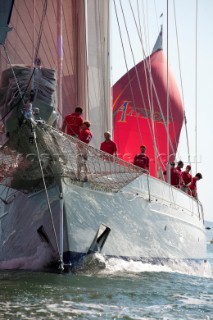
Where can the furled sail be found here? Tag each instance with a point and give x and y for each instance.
(140, 112)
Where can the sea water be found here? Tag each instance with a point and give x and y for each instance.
(121, 290)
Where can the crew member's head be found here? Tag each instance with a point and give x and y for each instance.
(198, 176)
(79, 110)
(107, 135)
(180, 164)
(188, 168)
(86, 124)
(143, 149)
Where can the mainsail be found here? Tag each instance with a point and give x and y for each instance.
(140, 111)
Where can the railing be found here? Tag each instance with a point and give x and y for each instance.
(63, 156)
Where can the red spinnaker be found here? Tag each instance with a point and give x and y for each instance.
(140, 112)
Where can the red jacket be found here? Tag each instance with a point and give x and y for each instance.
(142, 161)
(73, 123)
(85, 135)
(186, 177)
(109, 147)
(174, 177)
(193, 187)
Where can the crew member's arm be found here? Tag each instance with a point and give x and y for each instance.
(147, 164)
(115, 151)
(64, 126)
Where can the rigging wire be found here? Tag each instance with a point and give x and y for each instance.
(168, 172)
(69, 52)
(17, 84)
(196, 24)
(8, 58)
(59, 57)
(130, 81)
(152, 85)
(181, 81)
(46, 192)
(101, 85)
(152, 82)
(167, 82)
(136, 71)
(146, 23)
(39, 33)
(67, 85)
(21, 98)
(156, 16)
(139, 20)
(14, 75)
(147, 66)
(41, 29)
(155, 91)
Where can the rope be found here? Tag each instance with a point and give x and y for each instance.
(8, 58)
(181, 83)
(47, 196)
(17, 84)
(41, 30)
(133, 97)
(22, 97)
(196, 23)
(152, 131)
(136, 71)
(147, 62)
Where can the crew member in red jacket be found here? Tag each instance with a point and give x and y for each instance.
(193, 185)
(108, 145)
(141, 159)
(85, 136)
(179, 171)
(73, 122)
(186, 178)
(174, 175)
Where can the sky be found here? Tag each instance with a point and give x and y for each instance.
(195, 66)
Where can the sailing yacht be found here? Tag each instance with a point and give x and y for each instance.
(49, 217)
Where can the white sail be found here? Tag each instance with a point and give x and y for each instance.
(99, 110)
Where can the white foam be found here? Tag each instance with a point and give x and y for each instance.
(118, 266)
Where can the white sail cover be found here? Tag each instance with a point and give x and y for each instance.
(99, 110)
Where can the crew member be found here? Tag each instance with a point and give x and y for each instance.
(193, 184)
(141, 159)
(186, 178)
(108, 145)
(85, 133)
(174, 175)
(73, 122)
(85, 136)
(179, 171)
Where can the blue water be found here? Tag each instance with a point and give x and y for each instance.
(121, 291)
